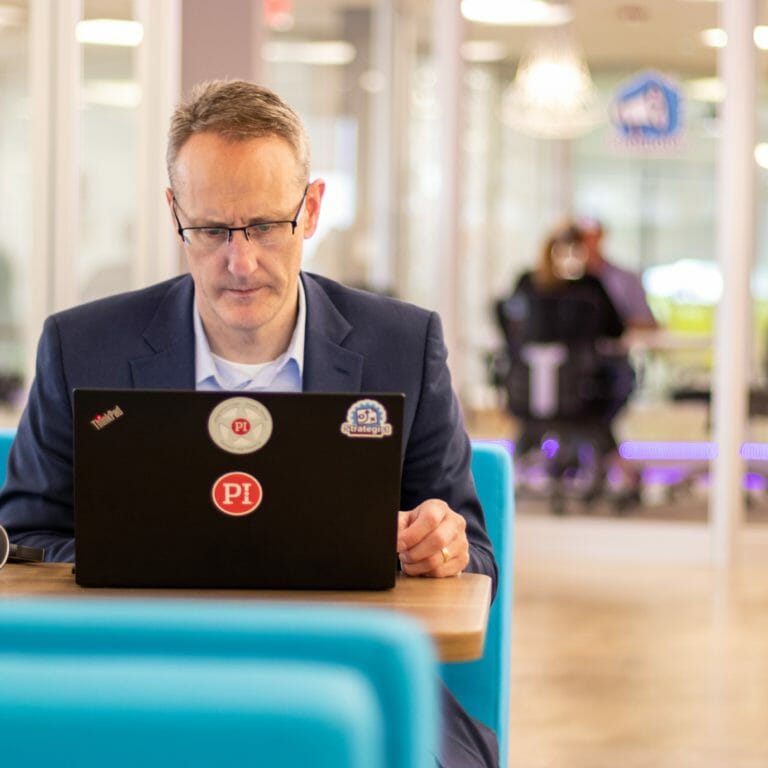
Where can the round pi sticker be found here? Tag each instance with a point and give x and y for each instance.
(240, 425)
(237, 493)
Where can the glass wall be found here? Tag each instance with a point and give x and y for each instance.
(15, 197)
(319, 61)
(656, 200)
(110, 97)
(81, 91)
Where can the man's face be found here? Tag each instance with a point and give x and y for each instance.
(245, 290)
(592, 239)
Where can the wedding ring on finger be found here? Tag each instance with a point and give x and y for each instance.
(446, 554)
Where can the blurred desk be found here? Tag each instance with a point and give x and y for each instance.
(668, 360)
(662, 341)
(453, 611)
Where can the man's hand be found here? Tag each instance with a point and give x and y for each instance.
(432, 540)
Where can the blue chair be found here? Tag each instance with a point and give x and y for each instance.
(150, 711)
(388, 649)
(7, 434)
(482, 686)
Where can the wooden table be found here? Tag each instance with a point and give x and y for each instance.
(454, 611)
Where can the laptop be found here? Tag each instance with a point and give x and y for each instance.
(236, 490)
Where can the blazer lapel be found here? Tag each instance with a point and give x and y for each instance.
(328, 366)
(171, 336)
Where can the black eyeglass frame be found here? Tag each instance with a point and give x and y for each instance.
(294, 222)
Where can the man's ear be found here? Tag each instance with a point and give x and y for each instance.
(312, 207)
(169, 197)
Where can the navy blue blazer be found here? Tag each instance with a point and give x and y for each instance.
(355, 341)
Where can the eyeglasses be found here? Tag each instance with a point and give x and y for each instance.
(266, 234)
(17, 552)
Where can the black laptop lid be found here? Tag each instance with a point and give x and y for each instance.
(245, 490)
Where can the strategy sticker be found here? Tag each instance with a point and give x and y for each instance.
(366, 418)
(237, 494)
(240, 425)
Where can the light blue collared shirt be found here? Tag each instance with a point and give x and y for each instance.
(284, 374)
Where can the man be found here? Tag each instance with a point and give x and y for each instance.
(247, 318)
(623, 286)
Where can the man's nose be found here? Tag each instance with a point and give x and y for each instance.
(241, 255)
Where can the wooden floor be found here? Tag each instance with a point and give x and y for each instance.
(638, 666)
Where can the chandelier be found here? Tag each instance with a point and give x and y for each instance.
(552, 95)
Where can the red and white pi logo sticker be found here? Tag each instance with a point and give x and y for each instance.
(241, 426)
(237, 493)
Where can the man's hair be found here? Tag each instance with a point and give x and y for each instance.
(590, 225)
(236, 110)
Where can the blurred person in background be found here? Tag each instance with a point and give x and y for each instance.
(561, 273)
(623, 286)
(560, 301)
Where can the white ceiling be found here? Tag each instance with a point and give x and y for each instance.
(614, 34)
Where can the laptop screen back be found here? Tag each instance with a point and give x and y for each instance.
(252, 490)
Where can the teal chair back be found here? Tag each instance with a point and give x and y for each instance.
(7, 435)
(140, 711)
(482, 686)
(388, 649)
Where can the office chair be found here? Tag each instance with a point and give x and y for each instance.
(7, 436)
(387, 649)
(557, 388)
(482, 686)
(126, 711)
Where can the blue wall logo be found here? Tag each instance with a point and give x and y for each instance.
(648, 112)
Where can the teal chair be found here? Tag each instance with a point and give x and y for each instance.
(387, 649)
(482, 686)
(7, 435)
(157, 711)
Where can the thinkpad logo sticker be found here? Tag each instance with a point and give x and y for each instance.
(101, 420)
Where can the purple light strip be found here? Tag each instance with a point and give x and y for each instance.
(754, 451)
(685, 451)
(668, 450)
